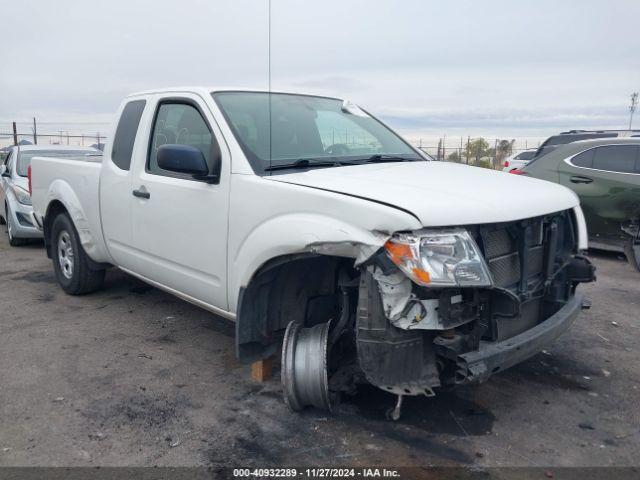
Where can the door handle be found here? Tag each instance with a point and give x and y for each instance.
(141, 193)
(579, 179)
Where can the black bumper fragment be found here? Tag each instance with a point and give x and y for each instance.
(477, 366)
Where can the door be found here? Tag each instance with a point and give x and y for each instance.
(115, 183)
(180, 223)
(607, 180)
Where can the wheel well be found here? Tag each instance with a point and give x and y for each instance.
(53, 209)
(300, 287)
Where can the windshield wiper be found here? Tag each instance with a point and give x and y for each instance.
(302, 163)
(381, 157)
(312, 163)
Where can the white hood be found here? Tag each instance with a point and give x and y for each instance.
(442, 194)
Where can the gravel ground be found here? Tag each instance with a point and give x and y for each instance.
(133, 376)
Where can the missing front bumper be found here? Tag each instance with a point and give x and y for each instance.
(479, 365)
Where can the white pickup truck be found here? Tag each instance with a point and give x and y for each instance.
(320, 231)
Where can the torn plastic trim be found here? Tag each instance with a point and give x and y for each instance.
(404, 309)
(359, 250)
(395, 360)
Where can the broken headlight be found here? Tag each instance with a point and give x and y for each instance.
(440, 258)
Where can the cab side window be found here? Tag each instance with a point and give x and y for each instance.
(616, 158)
(180, 124)
(126, 131)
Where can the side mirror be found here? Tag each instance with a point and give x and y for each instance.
(3, 171)
(182, 159)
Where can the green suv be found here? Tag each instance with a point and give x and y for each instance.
(605, 174)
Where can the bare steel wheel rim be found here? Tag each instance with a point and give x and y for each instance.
(304, 366)
(65, 254)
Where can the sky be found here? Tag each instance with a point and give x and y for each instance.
(502, 69)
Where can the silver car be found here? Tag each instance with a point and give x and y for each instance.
(15, 201)
(518, 160)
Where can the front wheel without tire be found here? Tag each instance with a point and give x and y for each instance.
(70, 262)
(304, 375)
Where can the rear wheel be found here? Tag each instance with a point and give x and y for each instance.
(13, 241)
(70, 262)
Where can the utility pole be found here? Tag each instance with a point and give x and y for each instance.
(444, 146)
(15, 134)
(35, 132)
(468, 152)
(632, 107)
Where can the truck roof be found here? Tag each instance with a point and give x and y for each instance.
(202, 90)
(27, 148)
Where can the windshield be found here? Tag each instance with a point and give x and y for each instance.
(24, 159)
(317, 129)
(528, 155)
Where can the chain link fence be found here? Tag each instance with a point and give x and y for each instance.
(478, 151)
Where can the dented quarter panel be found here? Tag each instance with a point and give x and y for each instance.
(81, 200)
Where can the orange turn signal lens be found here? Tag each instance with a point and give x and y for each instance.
(402, 254)
(399, 252)
(422, 275)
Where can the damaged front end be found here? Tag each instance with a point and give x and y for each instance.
(453, 306)
(439, 308)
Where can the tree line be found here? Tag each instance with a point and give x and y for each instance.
(478, 151)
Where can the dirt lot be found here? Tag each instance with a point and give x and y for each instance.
(134, 376)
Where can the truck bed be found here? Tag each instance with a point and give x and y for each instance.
(74, 181)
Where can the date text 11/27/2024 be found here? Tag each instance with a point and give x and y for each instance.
(316, 472)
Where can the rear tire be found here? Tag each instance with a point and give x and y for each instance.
(70, 262)
(13, 241)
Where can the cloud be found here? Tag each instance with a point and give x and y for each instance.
(333, 83)
(540, 65)
(586, 117)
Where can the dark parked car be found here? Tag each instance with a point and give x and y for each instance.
(605, 174)
(563, 138)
